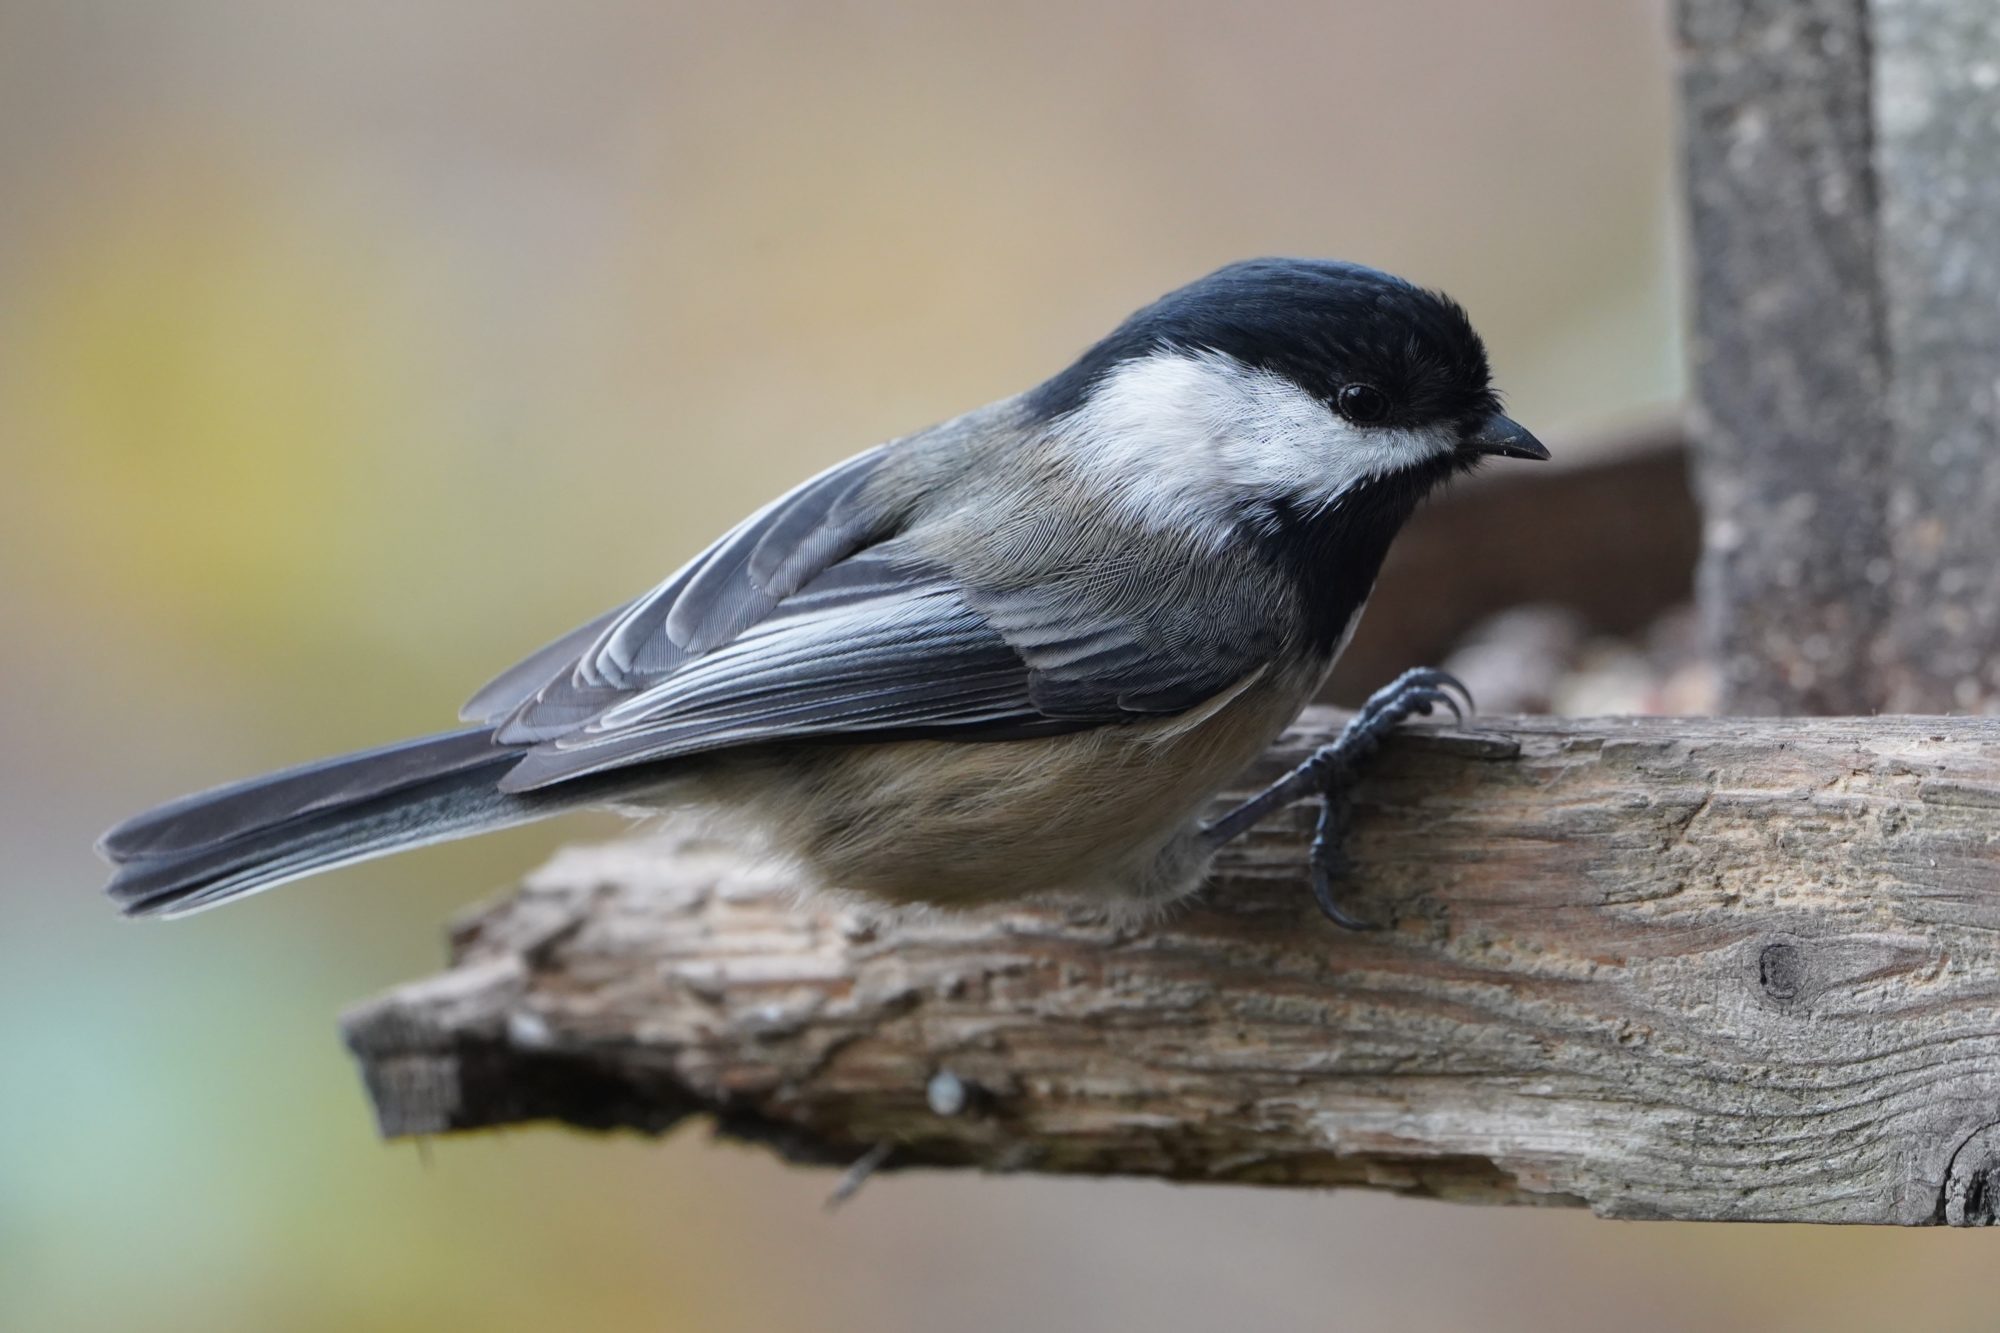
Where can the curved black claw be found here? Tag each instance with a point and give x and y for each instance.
(1421, 699)
(1327, 862)
(1329, 905)
(1420, 678)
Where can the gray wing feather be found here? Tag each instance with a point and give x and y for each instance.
(1099, 667)
(518, 683)
(885, 642)
(737, 581)
(808, 620)
(880, 643)
(728, 587)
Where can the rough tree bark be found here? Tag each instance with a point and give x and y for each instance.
(1661, 968)
(1843, 176)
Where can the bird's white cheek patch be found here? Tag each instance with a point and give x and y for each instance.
(1355, 454)
(1176, 434)
(1147, 439)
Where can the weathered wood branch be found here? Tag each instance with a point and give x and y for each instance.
(1715, 968)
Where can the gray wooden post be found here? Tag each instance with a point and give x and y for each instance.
(1843, 166)
(1937, 119)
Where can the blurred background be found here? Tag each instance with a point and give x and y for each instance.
(349, 351)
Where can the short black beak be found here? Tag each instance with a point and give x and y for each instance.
(1503, 437)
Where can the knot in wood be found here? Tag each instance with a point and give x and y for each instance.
(1971, 1193)
(1781, 970)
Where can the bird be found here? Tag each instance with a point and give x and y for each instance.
(1017, 653)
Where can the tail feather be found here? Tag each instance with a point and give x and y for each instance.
(204, 850)
(210, 817)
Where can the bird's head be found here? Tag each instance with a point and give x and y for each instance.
(1285, 381)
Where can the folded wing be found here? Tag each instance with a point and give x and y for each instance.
(727, 587)
(815, 619)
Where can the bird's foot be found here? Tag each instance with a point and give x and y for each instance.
(1330, 770)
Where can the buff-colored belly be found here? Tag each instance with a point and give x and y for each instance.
(1105, 812)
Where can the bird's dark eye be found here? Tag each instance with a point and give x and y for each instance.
(1363, 404)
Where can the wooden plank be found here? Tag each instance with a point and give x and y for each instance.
(1692, 968)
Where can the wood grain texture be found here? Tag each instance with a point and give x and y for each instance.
(1708, 968)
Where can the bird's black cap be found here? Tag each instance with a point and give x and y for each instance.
(1320, 323)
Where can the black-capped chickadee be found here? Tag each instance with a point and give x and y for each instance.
(1016, 652)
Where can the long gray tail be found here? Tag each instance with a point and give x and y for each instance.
(207, 849)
